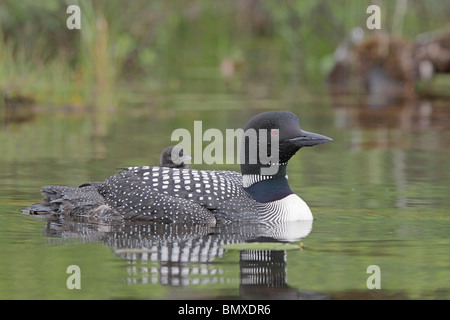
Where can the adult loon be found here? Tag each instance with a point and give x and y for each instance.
(199, 196)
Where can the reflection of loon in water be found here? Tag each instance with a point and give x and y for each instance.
(183, 255)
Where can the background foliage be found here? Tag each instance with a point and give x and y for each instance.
(151, 44)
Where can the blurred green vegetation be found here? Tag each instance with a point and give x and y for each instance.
(151, 44)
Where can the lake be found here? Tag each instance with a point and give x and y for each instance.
(379, 194)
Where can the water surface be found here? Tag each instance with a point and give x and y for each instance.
(378, 192)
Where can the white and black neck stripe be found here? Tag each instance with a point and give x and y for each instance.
(250, 179)
(267, 188)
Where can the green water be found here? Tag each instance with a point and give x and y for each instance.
(379, 194)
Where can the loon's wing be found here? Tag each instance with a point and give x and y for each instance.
(143, 204)
(168, 192)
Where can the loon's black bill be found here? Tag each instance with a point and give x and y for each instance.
(309, 139)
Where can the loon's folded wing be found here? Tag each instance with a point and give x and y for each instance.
(156, 207)
(164, 193)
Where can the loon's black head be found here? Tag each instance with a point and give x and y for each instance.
(270, 139)
(174, 157)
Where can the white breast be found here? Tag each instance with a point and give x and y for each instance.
(290, 208)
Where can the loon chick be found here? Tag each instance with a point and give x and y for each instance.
(174, 157)
(260, 193)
